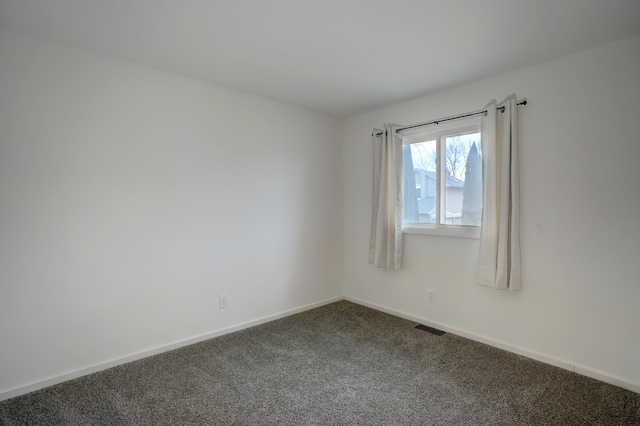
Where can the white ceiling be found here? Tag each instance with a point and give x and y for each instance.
(339, 57)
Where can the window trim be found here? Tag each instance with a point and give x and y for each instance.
(458, 231)
(466, 125)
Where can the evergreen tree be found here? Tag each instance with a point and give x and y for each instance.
(409, 194)
(472, 189)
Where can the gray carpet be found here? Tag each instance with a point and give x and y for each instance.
(341, 364)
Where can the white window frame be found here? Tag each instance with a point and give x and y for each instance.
(438, 133)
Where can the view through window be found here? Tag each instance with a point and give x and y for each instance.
(442, 179)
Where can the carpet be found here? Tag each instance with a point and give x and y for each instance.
(340, 364)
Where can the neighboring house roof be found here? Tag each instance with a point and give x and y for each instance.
(451, 181)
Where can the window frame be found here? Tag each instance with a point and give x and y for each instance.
(439, 133)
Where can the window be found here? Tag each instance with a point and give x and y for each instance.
(442, 179)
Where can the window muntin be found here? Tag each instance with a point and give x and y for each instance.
(442, 179)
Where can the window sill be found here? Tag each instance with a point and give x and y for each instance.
(448, 231)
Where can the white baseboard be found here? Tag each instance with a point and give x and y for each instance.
(582, 370)
(154, 351)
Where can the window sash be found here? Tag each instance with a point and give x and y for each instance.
(440, 133)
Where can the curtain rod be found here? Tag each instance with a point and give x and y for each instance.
(455, 117)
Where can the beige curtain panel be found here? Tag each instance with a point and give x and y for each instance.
(385, 247)
(499, 255)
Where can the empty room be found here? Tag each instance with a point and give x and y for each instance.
(319, 212)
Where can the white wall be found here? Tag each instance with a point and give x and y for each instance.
(580, 150)
(131, 198)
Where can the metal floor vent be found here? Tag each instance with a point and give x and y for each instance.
(430, 330)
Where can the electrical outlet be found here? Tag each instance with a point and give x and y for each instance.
(222, 301)
(431, 295)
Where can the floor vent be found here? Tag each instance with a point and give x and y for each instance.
(431, 330)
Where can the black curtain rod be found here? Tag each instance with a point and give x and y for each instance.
(455, 117)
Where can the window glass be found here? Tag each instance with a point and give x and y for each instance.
(419, 180)
(442, 178)
(462, 192)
